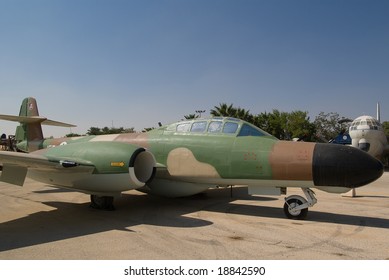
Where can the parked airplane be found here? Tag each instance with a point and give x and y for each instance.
(186, 158)
(368, 135)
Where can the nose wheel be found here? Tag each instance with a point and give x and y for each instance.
(296, 207)
(292, 208)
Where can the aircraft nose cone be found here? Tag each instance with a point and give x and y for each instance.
(338, 165)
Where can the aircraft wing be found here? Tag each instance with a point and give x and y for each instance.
(15, 165)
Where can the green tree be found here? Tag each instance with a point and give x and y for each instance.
(107, 130)
(329, 125)
(263, 121)
(224, 110)
(72, 135)
(94, 131)
(129, 130)
(299, 126)
(273, 123)
(243, 114)
(286, 126)
(277, 122)
(191, 116)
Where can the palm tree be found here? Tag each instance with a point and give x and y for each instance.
(224, 110)
(243, 114)
(191, 116)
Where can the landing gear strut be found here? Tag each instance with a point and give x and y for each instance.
(102, 202)
(296, 207)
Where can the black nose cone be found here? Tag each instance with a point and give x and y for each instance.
(344, 166)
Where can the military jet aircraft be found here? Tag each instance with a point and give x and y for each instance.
(186, 158)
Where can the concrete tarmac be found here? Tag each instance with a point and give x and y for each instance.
(41, 222)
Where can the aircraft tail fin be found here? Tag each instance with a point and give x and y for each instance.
(30, 124)
(30, 127)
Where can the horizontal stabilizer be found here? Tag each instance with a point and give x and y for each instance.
(35, 119)
(55, 123)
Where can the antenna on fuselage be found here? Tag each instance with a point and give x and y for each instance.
(378, 112)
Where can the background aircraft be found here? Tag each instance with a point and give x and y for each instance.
(186, 158)
(368, 135)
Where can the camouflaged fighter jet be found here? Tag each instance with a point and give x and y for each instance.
(183, 159)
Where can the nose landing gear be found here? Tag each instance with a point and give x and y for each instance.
(296, 207)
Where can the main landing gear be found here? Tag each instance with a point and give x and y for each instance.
(296, 207)
(102, 202)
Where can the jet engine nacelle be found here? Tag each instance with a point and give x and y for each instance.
(135, 164)
(171, 188)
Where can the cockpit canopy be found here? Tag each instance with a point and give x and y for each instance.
(217, 126)
(365, 122)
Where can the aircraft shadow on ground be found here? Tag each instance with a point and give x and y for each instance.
(69, 220)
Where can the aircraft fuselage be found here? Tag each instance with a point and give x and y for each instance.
(230, 156)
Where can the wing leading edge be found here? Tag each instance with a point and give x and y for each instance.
(16, 165)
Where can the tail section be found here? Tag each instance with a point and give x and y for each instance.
(30, 128)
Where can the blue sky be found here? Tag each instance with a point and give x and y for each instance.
(135, 63)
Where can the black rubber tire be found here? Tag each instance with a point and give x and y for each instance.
(298, 215)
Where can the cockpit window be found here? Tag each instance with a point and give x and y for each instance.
(230, 127)
(198, 126)
(215, 127)
(370, 122)
(248, 130)
(183, 127)
(233, 119)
